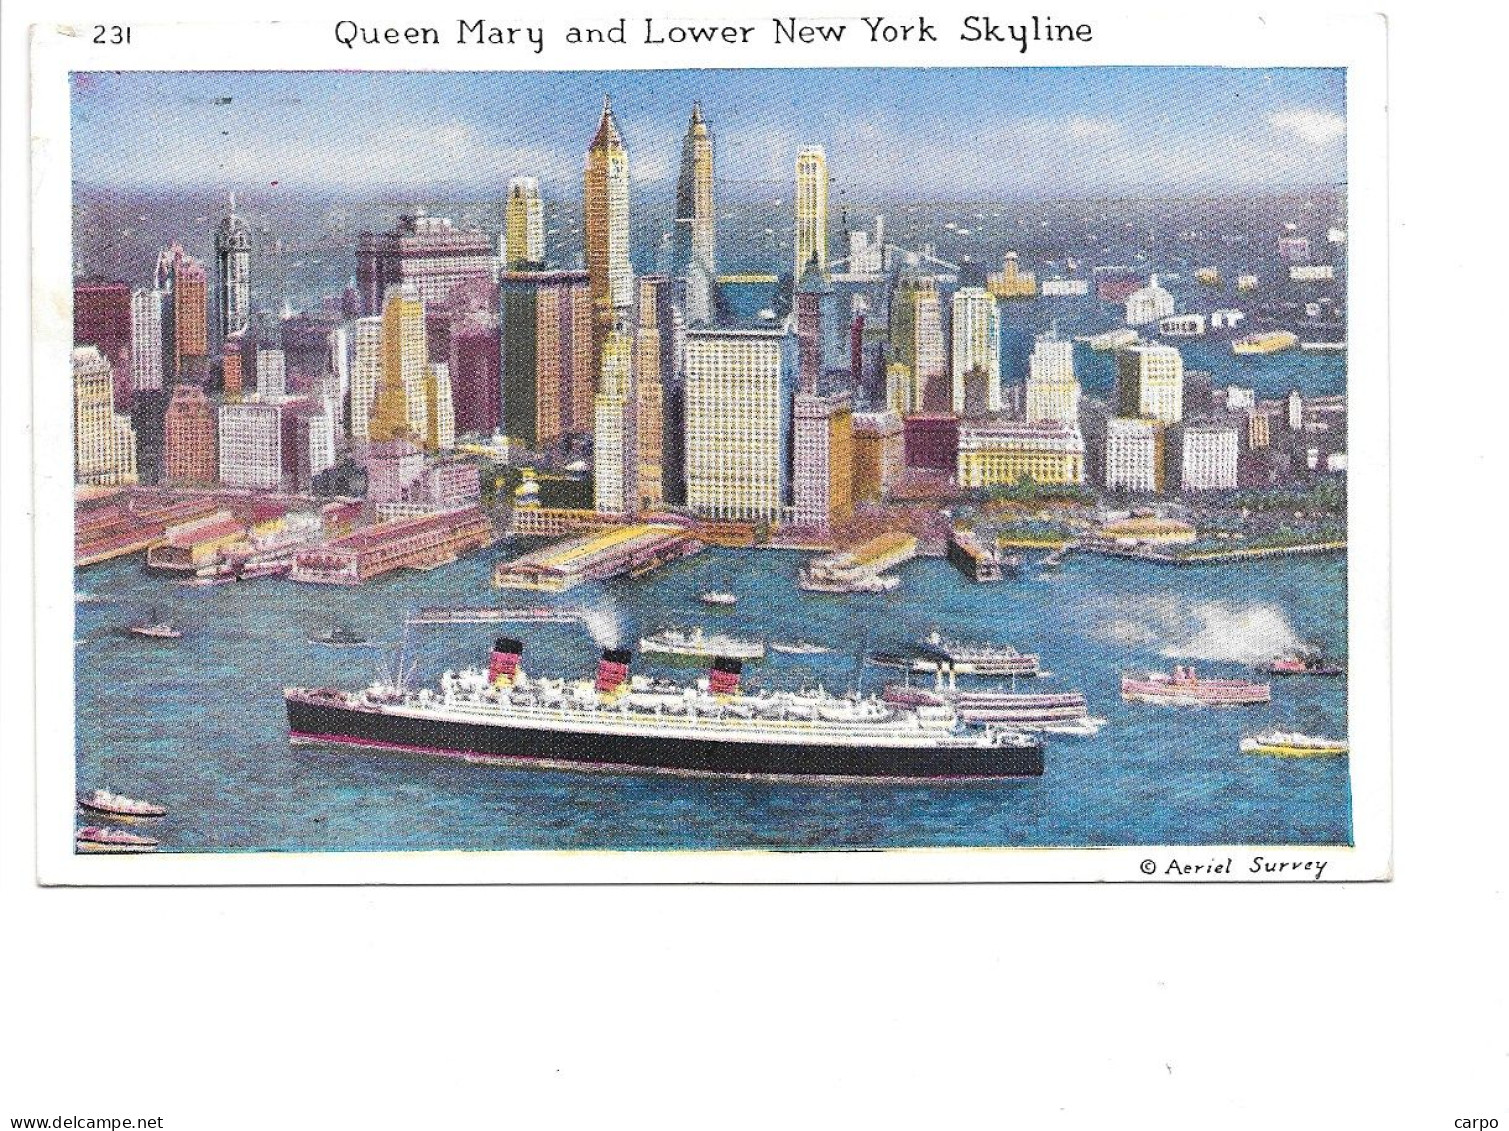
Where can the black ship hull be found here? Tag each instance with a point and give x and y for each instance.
(317, 719)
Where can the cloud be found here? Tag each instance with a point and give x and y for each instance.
(1092, 129)
(1318, 127)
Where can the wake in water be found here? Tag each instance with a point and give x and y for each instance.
(601, 619)
(1225, 631)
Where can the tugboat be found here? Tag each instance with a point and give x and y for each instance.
(1304, 663)
(103, 838)
(1283, 744)
(618, 722)
(154, 629)
(340, 637)
(116, 805)
(1185, 688)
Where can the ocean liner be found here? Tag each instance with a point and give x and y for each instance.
(625, 723)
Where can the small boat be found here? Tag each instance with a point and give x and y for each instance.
(1053, 560)
(1184, 687)
(799, 648)
(154, 629)
(1303, 663)
(1087, 727)
(118, 805)
(340, 637)
(719, 597)
(1283, 744)
(103, 838)
(253, 570)
(700, 645)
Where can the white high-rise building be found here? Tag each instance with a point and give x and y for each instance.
(146, 339)
(1052, 391)
(272, 375)
(1134, 454)
(811, 209)
(1209, 457)
(977, 345)
(1150, 382)
(1148, 304)
(366, 372)
(104, 441)
(738, 422)
(251, 445)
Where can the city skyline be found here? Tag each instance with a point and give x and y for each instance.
(1003, 134)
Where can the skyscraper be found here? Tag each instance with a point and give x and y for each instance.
(738, 423)
(428, 252)
(104, 441)
(400, 408)
(439, 408)
(605, 231)
(523, 226)
(811, 209)
(272, 376)
(697, 222)
(251, 445)
(188, 453)
(615, 470)
(146, 340)
(822, 467)
(917, 337)
(1150, 382)
(977, 345)
(366, 375)
(185, 319)
(232, 274)
(649, 416)
(548, 374)
(1052, 391)
(102, 317)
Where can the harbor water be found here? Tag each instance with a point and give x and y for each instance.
(197, 723)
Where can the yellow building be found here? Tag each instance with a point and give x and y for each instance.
(1004, 451)
(614, 466)
(523, 225)
(879, 454)
(916, 335)
(605, 231)
(400, 408)
(649, 426)
(1009, 282)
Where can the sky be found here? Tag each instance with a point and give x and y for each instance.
(921, 134)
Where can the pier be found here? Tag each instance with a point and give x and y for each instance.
(632, 549)
(412, 543)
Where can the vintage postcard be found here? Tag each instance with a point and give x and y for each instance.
(487, 457)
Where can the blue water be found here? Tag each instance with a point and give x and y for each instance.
(198, 725)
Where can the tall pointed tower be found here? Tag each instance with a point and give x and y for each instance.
(232, 274)
(696, 221)
(605, 207)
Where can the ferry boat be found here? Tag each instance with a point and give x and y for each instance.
(975, 659)
(1292, 745)
(1186, 688)
(619, 722)
(103, 838)
(526, 614)
(116, 805)
(799, 648)
(250, 571)
(1270, 341)
(1303, 663)
(154, 629)
(340, 637)
(205, 580)
(696, 644)
(719, 597)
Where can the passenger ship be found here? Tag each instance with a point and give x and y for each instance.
(624, 723)
(1186, 688)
